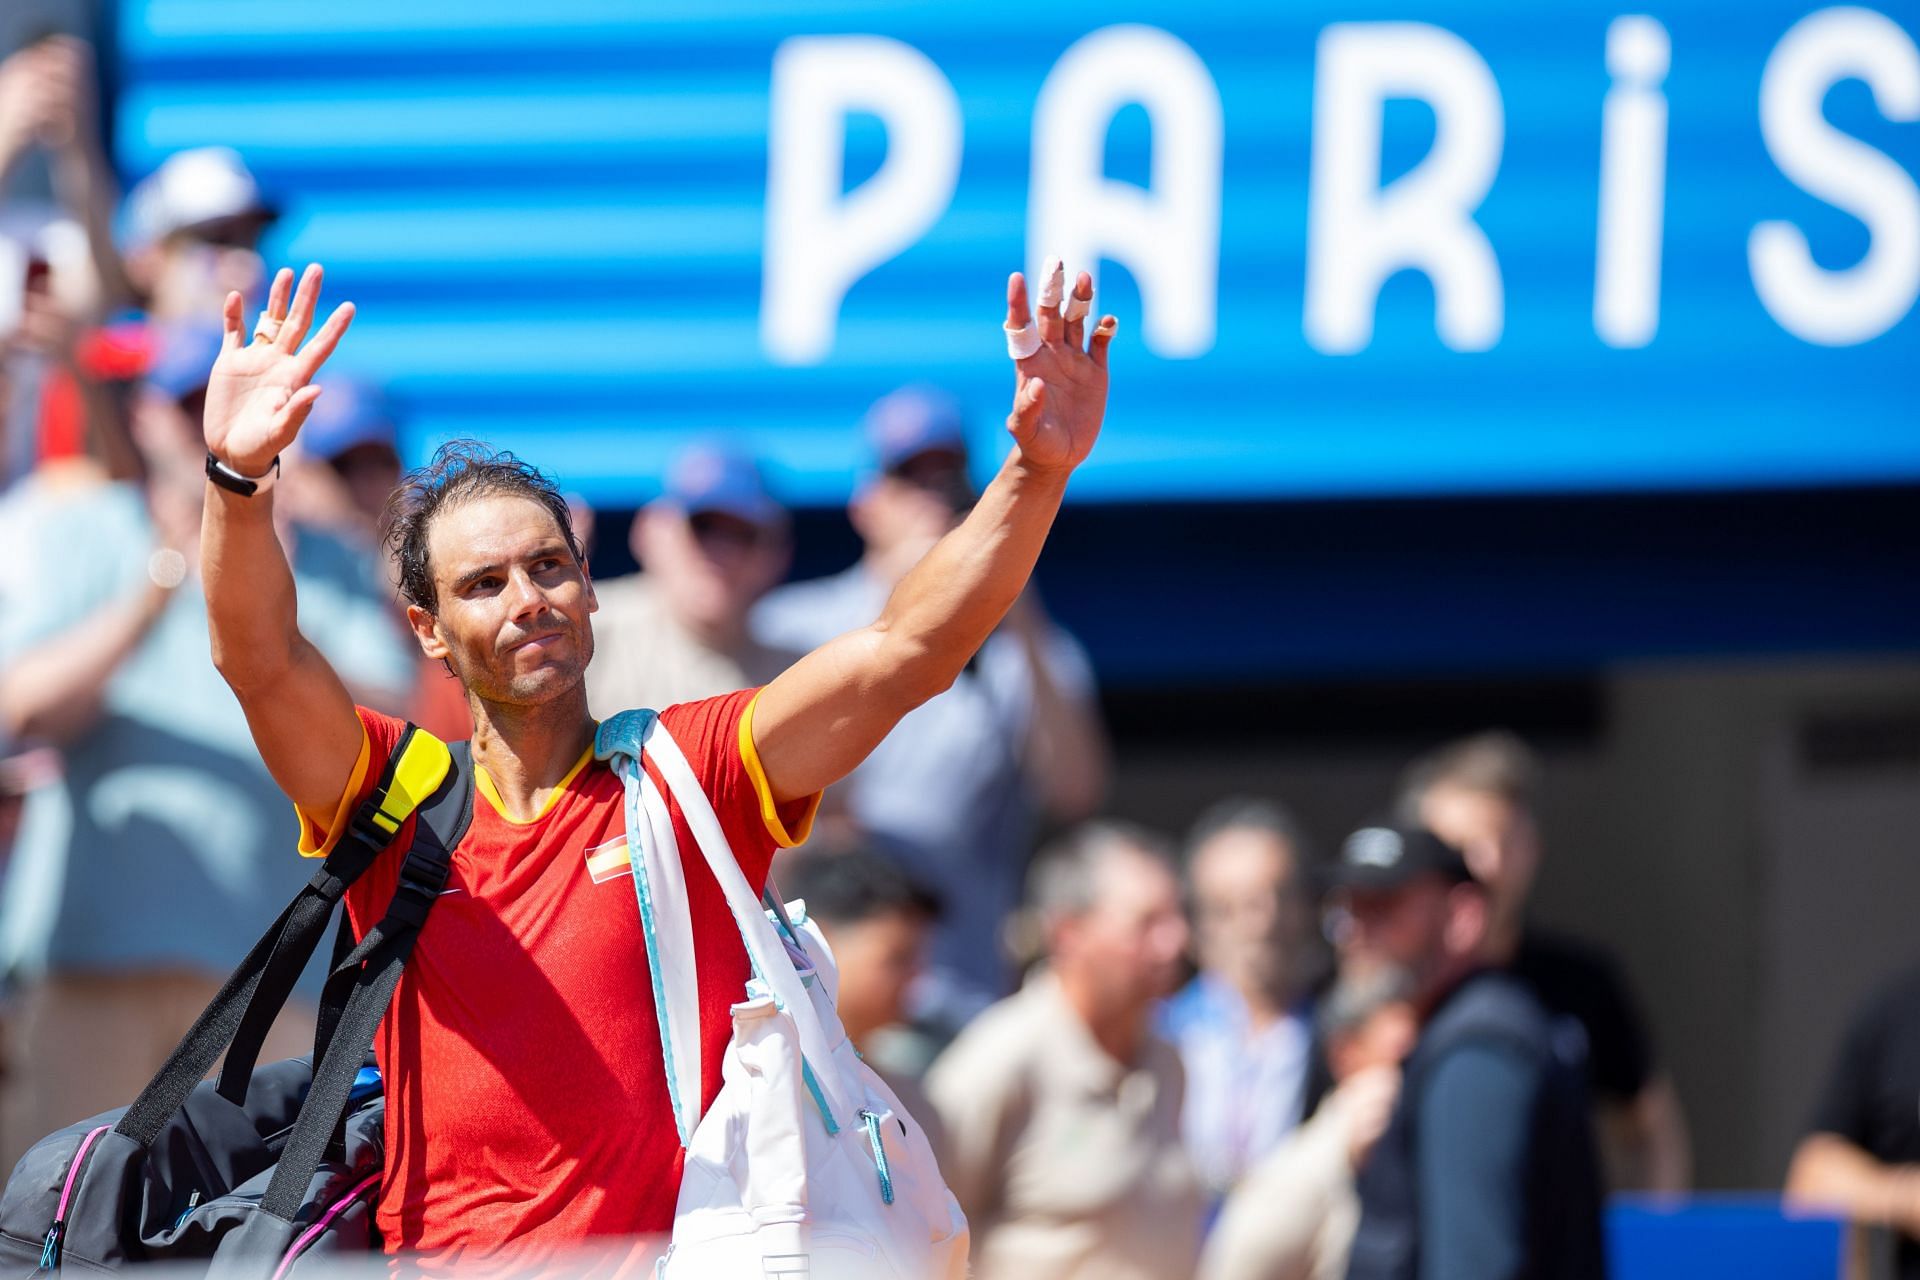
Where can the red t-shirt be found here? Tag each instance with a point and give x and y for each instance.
(526, 1095)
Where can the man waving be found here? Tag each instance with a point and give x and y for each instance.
(527, 1099)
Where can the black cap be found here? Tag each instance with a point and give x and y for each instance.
(1388, 855)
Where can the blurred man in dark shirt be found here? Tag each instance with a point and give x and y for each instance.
(1487, 1169)
(1478, 795)
(1862, 1156)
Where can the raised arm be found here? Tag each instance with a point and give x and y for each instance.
(824, 715)
(300, 713)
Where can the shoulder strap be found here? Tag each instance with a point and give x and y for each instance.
(414, 769)
(364, 983)
(772, 964)
(252, 996)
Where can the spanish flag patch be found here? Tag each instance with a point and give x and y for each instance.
(609, 861)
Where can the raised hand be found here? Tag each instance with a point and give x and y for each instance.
(259, 393)
(1060, 387)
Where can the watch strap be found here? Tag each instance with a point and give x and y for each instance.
(232, 481)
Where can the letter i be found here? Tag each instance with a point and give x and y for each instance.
(1633, 179)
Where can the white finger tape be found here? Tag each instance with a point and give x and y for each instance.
(266, 327)
(1077, 308)
(1022, 343)
(1053, 282)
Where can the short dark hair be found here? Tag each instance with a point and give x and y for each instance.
(461, 470)
(852, 886)
(1495, 763)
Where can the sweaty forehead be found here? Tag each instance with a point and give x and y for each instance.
(493, 529)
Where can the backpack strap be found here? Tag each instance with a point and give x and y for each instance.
(414, 769)
(247, 999)
(363, 984)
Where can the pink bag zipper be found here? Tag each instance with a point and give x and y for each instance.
(50, 1251)
(307, 1237)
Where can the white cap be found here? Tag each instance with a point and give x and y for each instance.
(207, 184)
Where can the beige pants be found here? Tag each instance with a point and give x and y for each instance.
(82, 1043)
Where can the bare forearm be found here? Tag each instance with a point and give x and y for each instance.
(86, 186)
(54, 692)
(948, 604)
(252, 612)
(821, 718)
(1831, 1173)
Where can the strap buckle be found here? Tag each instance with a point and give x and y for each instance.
(371, 823)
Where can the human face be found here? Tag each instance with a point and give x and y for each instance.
(1404, 925)
(511, 602)
(904, 512)
(878, 958)
(370, 473)
(710, 566)
(1128, 946)
(188, 275)
(1250, 914)
(1497, 837)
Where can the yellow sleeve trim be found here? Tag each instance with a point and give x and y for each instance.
(769, 811)
(485, 784)
(317, 841)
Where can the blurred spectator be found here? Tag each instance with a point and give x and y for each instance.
(1487, 1169)
(1478, 794)
(1293, 1216)
(1862, 1155)
(59, 269)
(146, 869)
(192, 229)
(1062, 1106)
(349, 463)
(876, 919)
(708, 547)
(1243, 1024)
(955, 786)
(48, 101)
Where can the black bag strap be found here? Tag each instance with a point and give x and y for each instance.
(417, 764)
(330, 1010)
(283, 951)
(369, 975)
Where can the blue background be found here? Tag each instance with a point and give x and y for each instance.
(551, 215)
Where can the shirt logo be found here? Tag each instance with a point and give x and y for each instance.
(609, 861)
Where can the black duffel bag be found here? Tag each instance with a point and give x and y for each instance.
(254, 1172)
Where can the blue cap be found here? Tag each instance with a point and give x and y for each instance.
(183, 357)
(349, 413)
(720, 478)
(912, 421)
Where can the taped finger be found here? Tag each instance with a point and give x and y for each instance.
(1022, 342)
(1053, 284)
(1077, 309)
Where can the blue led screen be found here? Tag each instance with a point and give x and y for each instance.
(1420, 248)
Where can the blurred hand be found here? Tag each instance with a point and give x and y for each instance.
(23, 100)
(70, 101)
(45, 328)
(1367, 1098)
(1060, 391)
(260, 391)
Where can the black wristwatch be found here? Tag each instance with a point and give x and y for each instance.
(233, 482)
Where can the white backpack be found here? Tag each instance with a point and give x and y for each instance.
(806, 1164)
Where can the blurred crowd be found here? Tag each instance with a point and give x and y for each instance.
(1228, 1054)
